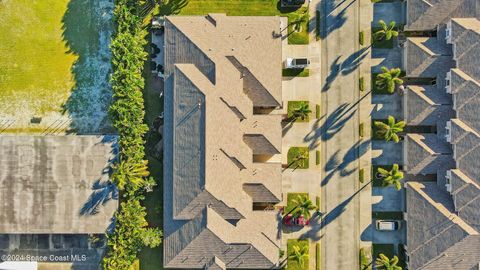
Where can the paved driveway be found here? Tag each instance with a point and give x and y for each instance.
(385, 105)
(387, 199)
(385, 153)
(388, 12)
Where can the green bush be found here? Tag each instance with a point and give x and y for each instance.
(317, 157)
(361, 130)
(135, 265)
(317, 18)
(318, 254)
(127, 114)
(317, 202)
(295, 72)
(365, 259)
(361, 84)
(317, 111)
(361, 38)
(361, 175)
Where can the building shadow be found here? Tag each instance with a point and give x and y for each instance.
(87, 29)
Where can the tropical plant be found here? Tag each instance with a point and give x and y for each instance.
(299, 254)
(303, 206)
(389, 79)
(387, 31)
(390, 130)
(130, 231)
(302, 111)
(298, 22)
(391, 177)
(383, 262)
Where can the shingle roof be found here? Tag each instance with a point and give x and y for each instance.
(428, 14)
(56, 184)
(427, 57)
(433, 228)
(260, 193)
(217, 69)
(427, 106)
(427, 154)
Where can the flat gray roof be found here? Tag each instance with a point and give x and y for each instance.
(56, 184)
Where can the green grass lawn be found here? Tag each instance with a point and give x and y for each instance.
(54, 63)
(291, 197)
(295, 72)
(292, 158)
(376, 182)
(365, 259)
(386, 249)
(247, 8)
(294, 265)
(388, 215)
(292, 106)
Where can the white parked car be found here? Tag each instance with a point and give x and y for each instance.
(297, 63)
(388, 225)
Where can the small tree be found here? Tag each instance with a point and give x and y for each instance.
(391, 177)
(390, 130)
(389, 79)
(131, 173)
(303, 206)
(299, 254)
(383, 262)
(387, 31)
(302, 111)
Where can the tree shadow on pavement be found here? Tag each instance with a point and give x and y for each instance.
(335, 165)
(331, 22)
(334, 122)
(350, 64)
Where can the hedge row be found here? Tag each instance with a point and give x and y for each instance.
(127, 113)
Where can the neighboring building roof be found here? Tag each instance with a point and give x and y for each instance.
(428, 14)
(217, 69)
(427, 154)
(56, 184)
(427, 106)
(427, 57)
(434, 230)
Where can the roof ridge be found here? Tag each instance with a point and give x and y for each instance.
(467, 203)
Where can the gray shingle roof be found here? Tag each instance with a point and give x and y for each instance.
(427, 154)
(260, 193)
(428, 14)
(427, 57)
(56, 184)
(427, 106)
(433, 227)
(213, 81)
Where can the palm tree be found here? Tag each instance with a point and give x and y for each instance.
(391, 177)
(383, 262)
(298, 22)
(387, 31)
(389, 131)
(133, 174)
(303, 206)
(389, 79)
(302, 112)
(299, 254)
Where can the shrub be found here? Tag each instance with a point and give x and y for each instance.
(127, 113)
(361, 130)
(361, 175)
(318, 253)
(317, 111)
(317, 157)
(361, 38)
(317, 18)
(361, 84)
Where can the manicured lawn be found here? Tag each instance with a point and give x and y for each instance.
(388, 215)
(295, 72)
(376, 182)
(292, 158)
(249, 8)
(365, 259)
(55, 63)
(294, 265)
(292, 106)
(291, 197)
(386, 249)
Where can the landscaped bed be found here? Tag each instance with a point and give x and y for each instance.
(291, 198)
(298, 157)
(292, 106)
(54, 66)
(291, 263)
(376, 181)
(386, 249)
(365, 258)
(295, 72)
(388, 215)
(249, 8)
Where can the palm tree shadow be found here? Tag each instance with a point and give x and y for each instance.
(172, 7)
(332, 22)
(103, 192)
(336, 121)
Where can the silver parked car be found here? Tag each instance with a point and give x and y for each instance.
(388, 225)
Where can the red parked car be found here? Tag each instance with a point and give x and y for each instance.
(290, 220)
